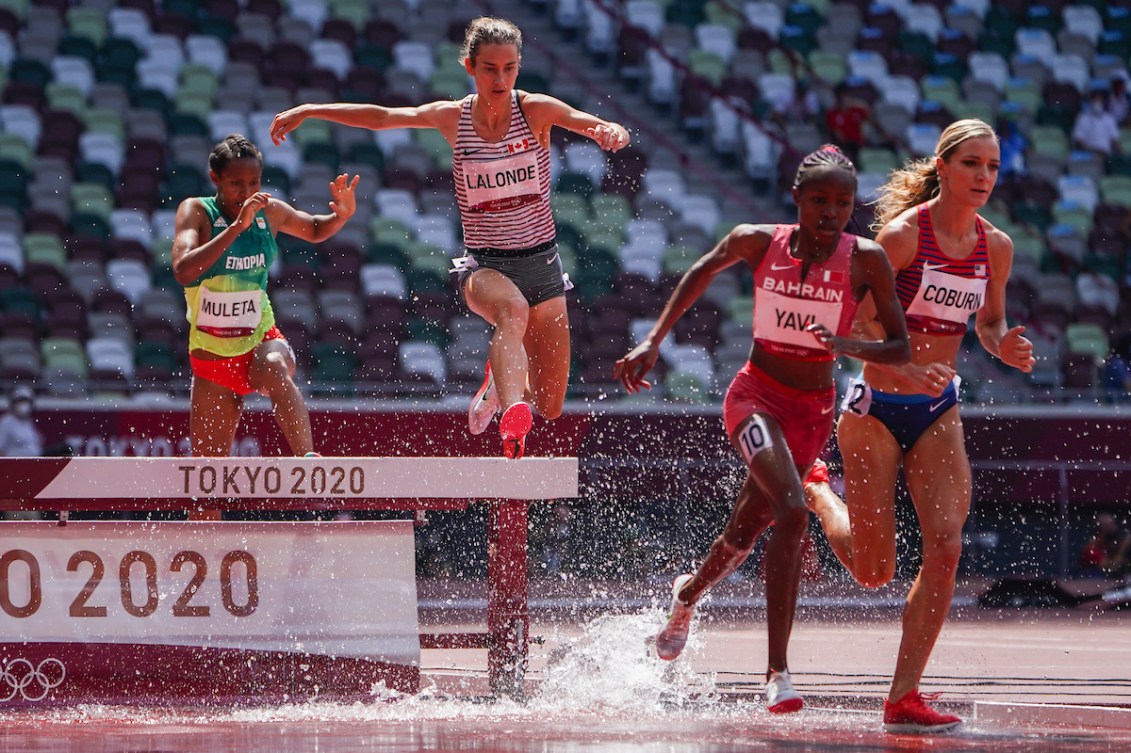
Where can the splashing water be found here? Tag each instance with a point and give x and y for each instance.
(610, 667)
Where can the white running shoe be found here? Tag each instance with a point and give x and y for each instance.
(672, 639)
(781, 698)
(484, 406)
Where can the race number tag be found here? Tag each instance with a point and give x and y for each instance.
(857, 398)
(753, 438)
(501, 185)
(229, 314)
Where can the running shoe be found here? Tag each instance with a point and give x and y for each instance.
(312, 455)
(818, 473)
(514, 425)
(911, 715)
(672, 639)
(781, 698)
(484, 406)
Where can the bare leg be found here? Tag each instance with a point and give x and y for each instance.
(938, 476)
(214, 415)
(272, 372)
(548, 350)
(495, 298)
(772, 492)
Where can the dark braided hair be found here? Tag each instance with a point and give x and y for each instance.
(234, 146)
(827, 157)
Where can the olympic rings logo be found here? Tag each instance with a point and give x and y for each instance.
(20, 678)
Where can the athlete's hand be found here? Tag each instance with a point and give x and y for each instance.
(825, 338)
(630, 369)
(250, 207)
(284, 123)
(609, 136)
(1017, 350)
(932, 378)
(342, 200)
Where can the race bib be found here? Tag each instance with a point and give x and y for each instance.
(947, 297)
(502, 185)
(229, 314)
(783, 319)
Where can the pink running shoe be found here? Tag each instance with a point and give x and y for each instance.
(514, 425)
(911, 715)
(484, 406)
(672, 639)
(818, 473)
(781, 698)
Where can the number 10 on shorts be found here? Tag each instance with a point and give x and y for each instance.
(754, 437)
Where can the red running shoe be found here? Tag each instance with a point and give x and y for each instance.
(818, 473)
(514, 425)
(911, 715)
(484, 406)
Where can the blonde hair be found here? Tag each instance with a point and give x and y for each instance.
(488, 30)
(918, 181)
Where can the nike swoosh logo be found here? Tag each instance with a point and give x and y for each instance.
(552, 259)
(469, 152)
(928, 267)
(935, 406)
(780, 267)
(826, 411)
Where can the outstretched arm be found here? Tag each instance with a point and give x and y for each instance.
(544, 112)
(745, 242)
(443, 115)
(317, 228)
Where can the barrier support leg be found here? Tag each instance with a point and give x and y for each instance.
(508, 623)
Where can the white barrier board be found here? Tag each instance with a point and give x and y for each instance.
(338, 589)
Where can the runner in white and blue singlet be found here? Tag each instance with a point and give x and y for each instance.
(511, 274)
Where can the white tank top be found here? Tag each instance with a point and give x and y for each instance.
(502, 187)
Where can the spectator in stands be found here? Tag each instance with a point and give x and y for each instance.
(1119, 100)
(1117, 370)
(222, 250)
(1108, 552)
(1095, 128)
(845, 122)
(511, 274)
(19, 436)
(809, 279)
(1013, 147)
(949, 264)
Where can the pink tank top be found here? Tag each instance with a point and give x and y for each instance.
(784, 305)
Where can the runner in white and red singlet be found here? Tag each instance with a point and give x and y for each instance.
(511, 274)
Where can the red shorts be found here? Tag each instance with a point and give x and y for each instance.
(233, 372)
(806, 416)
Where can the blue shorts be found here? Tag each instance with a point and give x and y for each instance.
(905, 416)
(537, 273)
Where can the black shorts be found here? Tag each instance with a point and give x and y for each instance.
(537, 275)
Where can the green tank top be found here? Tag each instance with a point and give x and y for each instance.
(228, 307)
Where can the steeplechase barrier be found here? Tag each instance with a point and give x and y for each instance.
(234, 612)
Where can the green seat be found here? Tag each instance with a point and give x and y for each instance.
(63, 354)
(87, 225)
(1025, 93)
(366, 153)
(878, 159)
(608, 239)
(45, 248)
(13, 148)
(155, 355)
(678, 258)
(150, 99)
(357, 12)
(104, 120)
(436, 145)
(323, 153)
(1088, 338)
(17, 7)
(28, 71)
(87, 22)
(66, 97)
(79, 46)
(723, 15)
(93, 199)
(741, 309)
(578, 183)
(390, 231)
(828, 67)
(707, 65)
(1116, 189)
(1073, 214)
(313, 131)
(611, 209)
(427, 330)
(13, 187)
(1049, 140)
(942, 89)
(451, 84)
(425, 280)
(426, 258)
(188, 124)
(197, 79)
(195, 105)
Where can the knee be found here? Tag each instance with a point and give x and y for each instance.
(512, 313)
(792, 520)
(874, 574)
(942, 551)
(550, 411)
